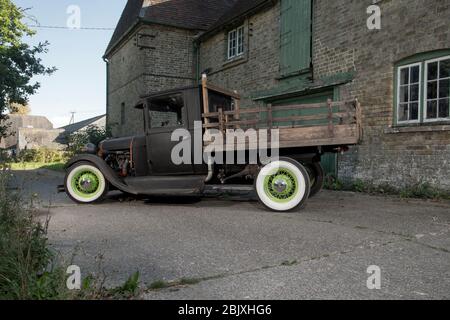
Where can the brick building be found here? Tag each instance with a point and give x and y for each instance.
(300, 51)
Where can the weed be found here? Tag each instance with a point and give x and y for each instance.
(332, 183)
(160, 284)
(289, 263)
(189, 281)
(421, 190)
(129, 288)
(28, 268)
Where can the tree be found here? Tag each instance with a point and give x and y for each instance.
(18, 61)
(16, 108)
(92, 134)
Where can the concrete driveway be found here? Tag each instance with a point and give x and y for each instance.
(238, 250)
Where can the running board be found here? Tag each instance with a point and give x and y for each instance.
(229, 190)
(167, 185)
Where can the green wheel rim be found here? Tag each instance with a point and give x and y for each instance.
(85, 183)
(281, 185)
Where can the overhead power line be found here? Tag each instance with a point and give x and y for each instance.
(67, 28)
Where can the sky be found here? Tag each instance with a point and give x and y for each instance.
(79, 84)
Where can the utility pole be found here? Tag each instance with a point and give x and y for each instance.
(72, 118)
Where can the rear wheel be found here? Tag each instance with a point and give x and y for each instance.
(317, 177)
(283, 185)
(85, 183)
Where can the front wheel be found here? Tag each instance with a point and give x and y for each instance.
(283, 185)
(85, 183)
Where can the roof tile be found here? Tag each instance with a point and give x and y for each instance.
(202, 15)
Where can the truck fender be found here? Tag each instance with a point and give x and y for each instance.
(107, 171)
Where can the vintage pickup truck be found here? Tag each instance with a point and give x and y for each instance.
(143, 165)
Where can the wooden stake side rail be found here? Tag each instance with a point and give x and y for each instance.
(340, 123)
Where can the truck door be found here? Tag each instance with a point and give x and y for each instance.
(166, 114)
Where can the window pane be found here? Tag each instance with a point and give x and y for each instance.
(219, 101)
(403, 112)
(232, 44)
(432, 109)
(240, 46)
(432, 70)
(444, 68)
(404, 94)
(404, 76)
(166, 112)
(415, 74)
(444, 88)
(414, 109)
(432, 90)
(414, 92)
(443, 108)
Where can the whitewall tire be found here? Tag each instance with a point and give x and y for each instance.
(283, 185)
(85, 183)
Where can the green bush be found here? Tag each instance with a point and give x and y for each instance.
(27, 266)
(5, 156)
(29, 269)
(92, 134)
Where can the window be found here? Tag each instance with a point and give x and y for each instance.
(409, 93)
(423, 91)
(437, 89)
(236, 43)
(166, 112)
(220, 101)
(122, 114)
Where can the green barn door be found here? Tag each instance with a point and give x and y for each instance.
(329, 160)
(295, 36)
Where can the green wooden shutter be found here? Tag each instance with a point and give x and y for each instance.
(295, 37)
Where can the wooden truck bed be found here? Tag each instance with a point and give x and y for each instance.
(330, 123)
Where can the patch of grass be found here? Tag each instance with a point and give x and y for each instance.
(23, 166)
(57, 166)
(421, 190)
(424, 190)
(368, 187)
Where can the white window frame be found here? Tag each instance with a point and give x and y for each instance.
(409, 94)
(239, 43)
(425, 84)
